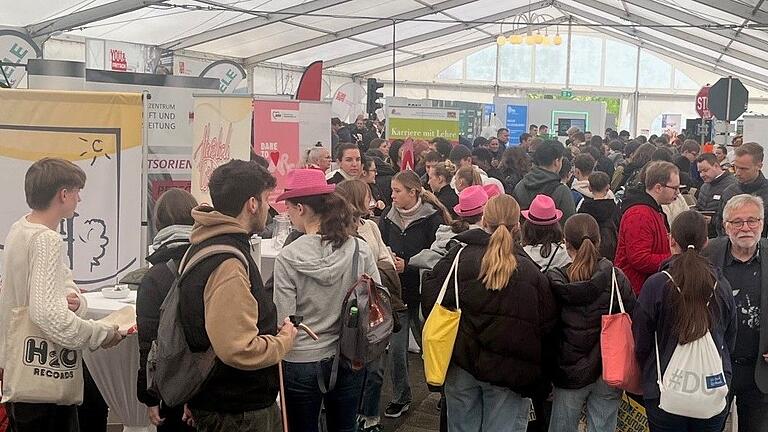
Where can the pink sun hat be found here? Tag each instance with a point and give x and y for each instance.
(542, 211)
(305, 182)
(473, 199)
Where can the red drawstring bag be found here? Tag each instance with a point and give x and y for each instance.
(617, 346)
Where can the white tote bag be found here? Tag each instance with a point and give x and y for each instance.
(38, 370)
(694, 383)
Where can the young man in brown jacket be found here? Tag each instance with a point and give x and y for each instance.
(226, 306)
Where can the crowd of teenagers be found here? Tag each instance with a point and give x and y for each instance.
(541, 240)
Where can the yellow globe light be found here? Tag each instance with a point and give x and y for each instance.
(538, 38)
(501, 40)
(530, 40)
(557, 40)
(547, 41)
(516, 39)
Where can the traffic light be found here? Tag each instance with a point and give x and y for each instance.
(374, 95)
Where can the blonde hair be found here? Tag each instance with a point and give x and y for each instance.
(469, 176)
(501, 215)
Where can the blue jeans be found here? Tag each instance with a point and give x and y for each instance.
(602, 408)
(303, 397)
(479, 406)
(662, 421)
(374, 379)
(398, 353)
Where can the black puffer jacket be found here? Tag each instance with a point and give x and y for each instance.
(503, 335)
(151, 294)
(418, 235)
(582, 305)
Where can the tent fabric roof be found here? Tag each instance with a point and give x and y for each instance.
(355, 36)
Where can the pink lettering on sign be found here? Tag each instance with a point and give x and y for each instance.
(212, 152)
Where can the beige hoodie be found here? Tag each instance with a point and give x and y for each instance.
(231, 312)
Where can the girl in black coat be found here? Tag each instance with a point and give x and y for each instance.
(508, 313)
(583, 291)
(407, 227)
(173, 220)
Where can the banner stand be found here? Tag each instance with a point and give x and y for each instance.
(145, 97)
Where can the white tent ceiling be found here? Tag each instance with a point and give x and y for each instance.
(727, 37)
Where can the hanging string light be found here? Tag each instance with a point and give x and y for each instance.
(527, 21)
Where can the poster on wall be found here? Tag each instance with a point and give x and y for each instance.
(101, 133)
(470, 116)
(169, 111)
(284, 130)
(670, 124)
(421, 123)
(517, 122)
(222, 132)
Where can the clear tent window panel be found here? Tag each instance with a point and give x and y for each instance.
(453, 72)
(654, 72)
(586, 60)
(481, 66)
(550, 63)
(515, 63)
(620, 64)
(684, 82)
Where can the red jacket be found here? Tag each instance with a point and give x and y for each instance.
(643, 242)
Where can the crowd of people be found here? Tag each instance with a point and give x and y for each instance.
(542, 238)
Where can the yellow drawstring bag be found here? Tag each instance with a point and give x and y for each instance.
(440, 331)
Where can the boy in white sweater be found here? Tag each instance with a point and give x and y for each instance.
(36, 276)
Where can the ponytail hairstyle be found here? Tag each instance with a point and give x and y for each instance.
(693, 277)
(445, 170)
(501, 216)
(337, 220)
(411, 181)
(469, 176)
(462, 223)
(582, 234)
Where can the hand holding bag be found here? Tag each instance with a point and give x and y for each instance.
(440, 331)
(617, 347)
(37, 370)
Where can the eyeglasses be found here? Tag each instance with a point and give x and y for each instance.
(751, 223)
(677, 188)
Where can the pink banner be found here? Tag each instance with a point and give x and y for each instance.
(276, 138)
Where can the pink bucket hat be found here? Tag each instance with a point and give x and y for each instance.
(542, 211)
(473, 199)
(305, 182)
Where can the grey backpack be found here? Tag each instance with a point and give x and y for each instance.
(366, 323)
(174, 373)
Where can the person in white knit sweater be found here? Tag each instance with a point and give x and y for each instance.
(36, 277)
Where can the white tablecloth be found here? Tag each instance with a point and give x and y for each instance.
(115, 370)
(268, 255)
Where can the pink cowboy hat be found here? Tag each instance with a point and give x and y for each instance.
(473, 199)
(542, 211)
(305, 182)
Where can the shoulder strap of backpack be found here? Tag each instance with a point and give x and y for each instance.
(324, 389)
(551, 258)
(191, 260)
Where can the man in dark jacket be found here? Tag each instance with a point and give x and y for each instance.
(716, 181)
(689, 151)
(747, 165)
(544, 179)
(224, 306)
(743, 256)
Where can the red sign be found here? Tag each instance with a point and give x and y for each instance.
(702, 103)
(119, 61)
